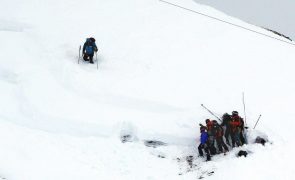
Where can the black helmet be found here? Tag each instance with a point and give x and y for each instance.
(92, 39)
(235, 113)
(202, 128)
(225, 114)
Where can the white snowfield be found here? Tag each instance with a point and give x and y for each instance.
(157, 64)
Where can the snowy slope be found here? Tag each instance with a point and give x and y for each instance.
(157, 64)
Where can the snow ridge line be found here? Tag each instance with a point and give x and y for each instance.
(226, 22)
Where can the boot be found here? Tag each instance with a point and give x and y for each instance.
(208, 157)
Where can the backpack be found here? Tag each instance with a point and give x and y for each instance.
(89, 48)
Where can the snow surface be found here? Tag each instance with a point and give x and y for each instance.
(157, 64)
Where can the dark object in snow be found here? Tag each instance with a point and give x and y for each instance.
(242, 153)
(260, 140)
(206, 173)
(126, 138)
(161, 156)
(210, 173)
(189, 160)
(208, 157)
(154, 144)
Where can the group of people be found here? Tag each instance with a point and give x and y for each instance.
(231, 128)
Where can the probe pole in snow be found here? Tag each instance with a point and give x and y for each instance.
(211, 112)
(257, 121)
(96, 60)
(79, 54)
(244, 108)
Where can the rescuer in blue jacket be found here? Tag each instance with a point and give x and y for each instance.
(203, 144)
(88, 49)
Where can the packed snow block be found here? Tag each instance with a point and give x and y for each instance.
(127, 132)
(154, 144)
(126, 138)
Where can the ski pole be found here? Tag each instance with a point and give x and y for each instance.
(211, 112)
(244, 108)
(79, 54)
(96, 60)
(257, 121)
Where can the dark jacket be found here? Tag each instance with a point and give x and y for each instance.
(217, 130)
(226, 118)
(89, 47)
